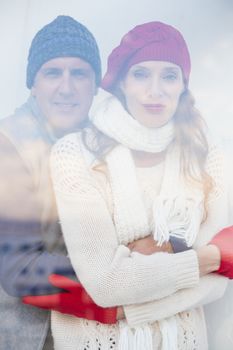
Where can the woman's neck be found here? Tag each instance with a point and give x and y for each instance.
(146, 159)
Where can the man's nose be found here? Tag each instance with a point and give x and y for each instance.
(66, 87)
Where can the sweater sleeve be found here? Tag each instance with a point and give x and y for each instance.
(217, 205)
(212, 286)
(108, 270)
(24, 262)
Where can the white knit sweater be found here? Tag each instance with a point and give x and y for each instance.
(152, 287)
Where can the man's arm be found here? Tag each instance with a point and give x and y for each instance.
(26, 267)
(24, 262)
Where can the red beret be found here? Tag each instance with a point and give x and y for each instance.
(147, 42)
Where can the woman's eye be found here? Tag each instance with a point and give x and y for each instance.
(140, 74)
(170, 77)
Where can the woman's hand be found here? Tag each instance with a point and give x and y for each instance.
(148, 246)
(208, 258)
(120, 313)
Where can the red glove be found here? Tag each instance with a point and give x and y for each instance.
(224, 241)
(74, 301)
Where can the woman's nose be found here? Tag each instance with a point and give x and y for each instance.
(155, 88)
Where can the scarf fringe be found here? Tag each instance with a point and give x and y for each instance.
(168, 328)
(137, 338)
(179, 217)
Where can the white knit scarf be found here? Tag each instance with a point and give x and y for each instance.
(112, 119)
(177, 210)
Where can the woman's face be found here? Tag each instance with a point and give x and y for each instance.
(152, 90)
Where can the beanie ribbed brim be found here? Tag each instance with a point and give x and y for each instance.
(63, 37)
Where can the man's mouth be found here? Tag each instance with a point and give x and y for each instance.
(66, 106)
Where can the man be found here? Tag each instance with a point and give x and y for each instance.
(63, 73)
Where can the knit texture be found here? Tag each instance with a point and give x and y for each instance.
(63, 37)
(114, 276)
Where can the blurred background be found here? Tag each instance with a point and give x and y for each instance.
(207, 26)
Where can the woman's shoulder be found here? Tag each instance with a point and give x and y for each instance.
(216, 155)
(69, 166)
(216, 164)
(71, 147)
(67, 144)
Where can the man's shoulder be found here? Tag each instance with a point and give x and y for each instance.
(9, 122)
(21, 132)
(21, 127)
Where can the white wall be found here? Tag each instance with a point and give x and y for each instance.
(207, 26)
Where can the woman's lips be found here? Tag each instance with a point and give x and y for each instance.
(154, 108)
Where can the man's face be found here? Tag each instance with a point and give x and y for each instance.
(64, 88)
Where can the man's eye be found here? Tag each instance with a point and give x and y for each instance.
(52, 73)
(79, 73)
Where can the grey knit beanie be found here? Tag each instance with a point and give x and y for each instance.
(63, 37)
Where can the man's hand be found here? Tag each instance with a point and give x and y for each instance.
(148, 246)
(73, 301)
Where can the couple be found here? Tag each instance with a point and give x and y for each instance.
(139, 188)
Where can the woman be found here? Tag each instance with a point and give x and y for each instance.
(141, 178)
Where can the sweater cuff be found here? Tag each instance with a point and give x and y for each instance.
(187, 269)
(139, 314)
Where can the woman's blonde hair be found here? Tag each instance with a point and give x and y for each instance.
(190, 135)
